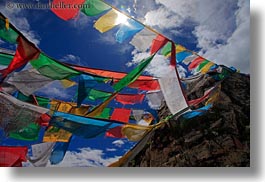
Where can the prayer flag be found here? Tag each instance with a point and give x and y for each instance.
(142, 40)
(107, 21)
(94, 7)
(66, 9)
(127, 30)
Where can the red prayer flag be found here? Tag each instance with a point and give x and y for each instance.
(129, 99)
(115, 132)
(12, 156)
(66, 9)
(25, 52)
(120, 114)
(44, 120)
(158, 43)
(147, 85)
(196, 62)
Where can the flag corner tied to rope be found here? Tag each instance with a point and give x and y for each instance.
(159, 42)
(66, 9)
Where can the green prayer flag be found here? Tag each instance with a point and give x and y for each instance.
(97, 94)
(5, 59)
(29, 133)
(166, 49)
(203, 64)
(94, 7)
(43, 102)
(52, 69)
(105, 114)
(133, 75)
(9, 34)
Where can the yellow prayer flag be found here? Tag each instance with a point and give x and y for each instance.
(56, 136)
(107, 21)
(180, 48)
(206, 68)
(67, 83)
(135, 132)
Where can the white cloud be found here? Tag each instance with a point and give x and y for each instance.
(87, 157)
(158, 66)
(70, 58)
(236, 51)
(54, 90)
(118, 143)
(111, 149)
(221, 27)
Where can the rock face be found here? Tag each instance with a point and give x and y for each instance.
(219, 138)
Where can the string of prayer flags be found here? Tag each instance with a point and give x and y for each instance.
(142, 82)
(66, 9)
(25, 52)
(158, 43)
(8, 34)
(133, 75)
(41, 153)
(142, 40)
(53, 69)
(94, 7)
(12, 156)
(127, 30)
(107, 21)
(207, 67)
(189, 59)
(82, 126)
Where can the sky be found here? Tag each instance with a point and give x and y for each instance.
(217, 30)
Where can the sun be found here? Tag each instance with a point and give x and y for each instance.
(121, 19)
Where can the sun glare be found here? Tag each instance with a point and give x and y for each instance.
(121, 19)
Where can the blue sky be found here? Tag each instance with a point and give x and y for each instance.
(217, 30)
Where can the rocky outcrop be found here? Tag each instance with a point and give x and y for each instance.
(219, 138)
